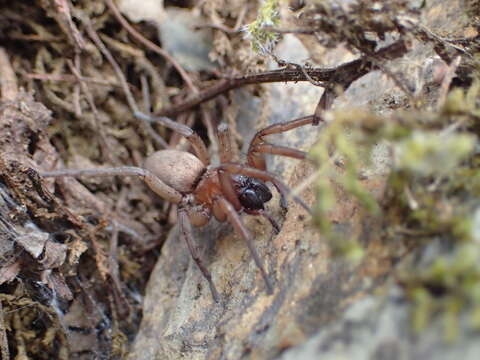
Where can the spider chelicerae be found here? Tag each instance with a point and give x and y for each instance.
(201, 190)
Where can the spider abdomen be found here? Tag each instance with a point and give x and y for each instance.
(178, 169)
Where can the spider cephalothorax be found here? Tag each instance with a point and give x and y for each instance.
(201, 190)
(252, 193)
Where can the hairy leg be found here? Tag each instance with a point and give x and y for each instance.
(269, 217)
(224, 143)
(273, 149)
(160, 188)
(186, 231)
(195, 140)
(258, 147)
(234, 218)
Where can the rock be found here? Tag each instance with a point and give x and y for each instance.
(322, 306)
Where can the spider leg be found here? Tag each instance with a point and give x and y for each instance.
(225, 152)
(224, 142)
(195, 140)
(283, 189)
(158, 186)
(228, 189)
(258, 146)
(236, 221)
(278, 150)
(269, 217)
(186, 230)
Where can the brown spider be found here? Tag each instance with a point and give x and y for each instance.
(200, 189)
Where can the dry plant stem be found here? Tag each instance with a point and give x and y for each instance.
(77, 87)
(321, 171)
(235, 220)
(150, 45)
(107, 152)
(343, 74)
(186, 231)
(400, 82)
(38, 38)
(69, 78)
(63, 8)
(309, 78)
(121, 301)
(8, 80)
(98, 42)
(112, 258)
(241, 17)
(226, 29)
(147, 106)
(324, 103)
(123, 82)
(447, 80)
(3, 335)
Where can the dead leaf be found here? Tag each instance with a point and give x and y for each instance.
(54, 255)
(9, 272)
(77, 248)
(56, 282)
(33, 241)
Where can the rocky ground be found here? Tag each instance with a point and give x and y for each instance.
(385, 267)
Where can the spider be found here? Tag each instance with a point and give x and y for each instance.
(201, 190)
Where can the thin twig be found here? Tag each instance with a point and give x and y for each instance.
(236, 29)
(220, 27)
(151, 45)
(447, 80)
(308, 31)
(321, 171)
(122, 303)
(63, 8)
(106, 150)
(121, 77)
(146, 101)
(147, 106)
(8, 79)
(77, 87)
(309, 78)
(402, 85)
(3, 336)
(344, 74)
(69, 78)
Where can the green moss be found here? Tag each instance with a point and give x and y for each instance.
(432, 153)
(449, 284)
(463, 102)
(432, 193)
(342, 151)
(268, 15)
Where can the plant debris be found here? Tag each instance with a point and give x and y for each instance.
(76, 254)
